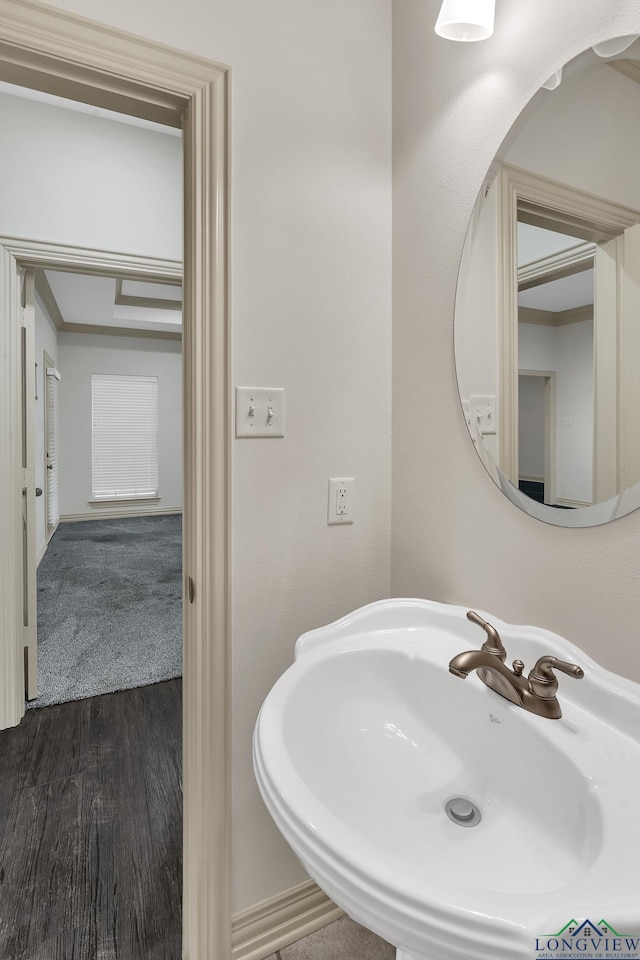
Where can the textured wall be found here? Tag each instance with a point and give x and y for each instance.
(455, 538)
(74, 178)
(311, 302)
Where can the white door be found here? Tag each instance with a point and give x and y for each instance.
(51, 497)
(28, 485)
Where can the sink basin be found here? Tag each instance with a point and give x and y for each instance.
(362, 743)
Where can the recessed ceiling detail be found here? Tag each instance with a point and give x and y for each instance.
(84, 303)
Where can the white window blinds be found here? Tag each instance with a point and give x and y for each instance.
(124, 437)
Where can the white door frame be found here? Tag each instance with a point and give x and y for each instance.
(53, 50)
(570, 210)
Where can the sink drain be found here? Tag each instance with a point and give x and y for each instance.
(463, 812)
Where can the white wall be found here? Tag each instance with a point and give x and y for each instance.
(455, 537)
(603, 135)
(531, 427)
(568, 350)
(46, 338)
(574, 398)
(75, 178)
(79, 356)
(476, 331)
(311, 295)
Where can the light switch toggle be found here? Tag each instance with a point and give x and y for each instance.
(259, 412)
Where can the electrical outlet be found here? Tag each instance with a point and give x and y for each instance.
(340, 504)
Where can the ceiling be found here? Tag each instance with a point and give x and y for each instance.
(82, 303)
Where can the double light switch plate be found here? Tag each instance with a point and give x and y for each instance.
(259, 412)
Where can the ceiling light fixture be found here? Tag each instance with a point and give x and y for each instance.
(466, 20)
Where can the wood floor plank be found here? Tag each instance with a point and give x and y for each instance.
(41, 865)
(91, 864)
(47, 745)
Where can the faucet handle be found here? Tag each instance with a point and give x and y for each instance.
(493, 644)
(543, 681)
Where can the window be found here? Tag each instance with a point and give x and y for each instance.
(124, 437)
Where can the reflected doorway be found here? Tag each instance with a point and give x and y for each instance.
(536, 434)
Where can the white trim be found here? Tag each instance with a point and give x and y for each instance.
(43, 548)
(11, 609)
(565, 502)
(150, 264)
(629, 385)
(606, 368)
(49, 255)
(282, 920)
(46, 48)
(556, 266)
(567, 205)
(555, 318)
(106, 501)
(119, 514)
(627, 67)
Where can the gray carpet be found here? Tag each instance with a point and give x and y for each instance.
(109, 607)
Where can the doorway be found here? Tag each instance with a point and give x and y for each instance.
(109, 611)
(536, 434)
(130, 75)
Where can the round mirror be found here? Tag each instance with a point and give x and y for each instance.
(547, 322)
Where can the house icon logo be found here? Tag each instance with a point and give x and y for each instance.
(585, 940)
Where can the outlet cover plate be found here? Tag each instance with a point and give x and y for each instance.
(340, 501)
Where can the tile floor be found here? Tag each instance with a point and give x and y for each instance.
(341, 940)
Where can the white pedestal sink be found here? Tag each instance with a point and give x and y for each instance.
(363, 741)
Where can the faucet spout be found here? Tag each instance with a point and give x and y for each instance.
(465, 663)
(491, 671)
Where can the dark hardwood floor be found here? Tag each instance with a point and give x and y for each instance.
(91, 829)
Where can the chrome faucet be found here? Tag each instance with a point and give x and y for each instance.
(535, 693)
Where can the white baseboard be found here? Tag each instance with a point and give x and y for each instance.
(41, 553)
(43, 548)
(565, 502)
(273, 924)
(119, 514)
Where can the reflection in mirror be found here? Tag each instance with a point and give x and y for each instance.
(555, 361)
(547, 338)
